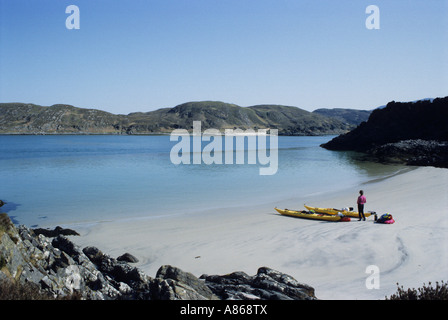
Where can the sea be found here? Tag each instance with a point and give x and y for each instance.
(49, 180)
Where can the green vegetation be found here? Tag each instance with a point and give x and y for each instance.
(5, 227)
(20, 118)
(5, 223)
(12, 290)
(439, 292)
(351, 116)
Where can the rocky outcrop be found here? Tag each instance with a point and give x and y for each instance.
(172, 283)
(56, 232)
(267, 284)
(58, 267)
(413, 152)
(412, 132)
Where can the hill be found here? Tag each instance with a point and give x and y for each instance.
(351, 116)
(21, 118)
(411, 132)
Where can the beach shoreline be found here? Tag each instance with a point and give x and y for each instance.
(331, 257)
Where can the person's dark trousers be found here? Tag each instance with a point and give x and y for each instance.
(361, 211)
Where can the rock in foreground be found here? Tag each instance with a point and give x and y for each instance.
(58, 267)
(267, 284)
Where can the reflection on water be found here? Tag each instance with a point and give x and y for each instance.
(370, 169)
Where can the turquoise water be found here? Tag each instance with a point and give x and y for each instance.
(50, 180)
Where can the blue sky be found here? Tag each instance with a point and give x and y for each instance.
(143, 55)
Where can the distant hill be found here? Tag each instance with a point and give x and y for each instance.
(351, 116)
(21, 118)
(411, 132)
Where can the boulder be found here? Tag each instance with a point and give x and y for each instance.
(64, 244)
(133, 282)
(172, 283)
(267, 284)
(127, 257)
(56, 232)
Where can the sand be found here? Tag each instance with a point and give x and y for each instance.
(331, 257)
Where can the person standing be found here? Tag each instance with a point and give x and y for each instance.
(361, 201)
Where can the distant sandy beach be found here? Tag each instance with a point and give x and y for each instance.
(331, 257)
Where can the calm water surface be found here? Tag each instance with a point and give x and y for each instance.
(50, 180)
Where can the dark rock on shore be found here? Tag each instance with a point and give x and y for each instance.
(413, 152)
(127, 257)
(415, 133)
(267, 284)
(58, 267)
(56, 232)
(171, 283)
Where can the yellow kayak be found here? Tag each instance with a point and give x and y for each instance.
(333, 211)
(311, 215)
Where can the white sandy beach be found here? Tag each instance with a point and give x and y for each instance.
(331, 257)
